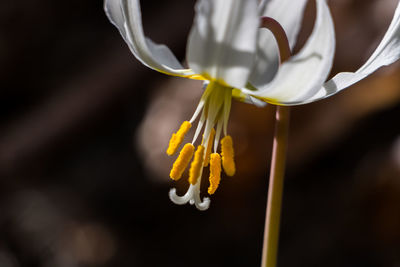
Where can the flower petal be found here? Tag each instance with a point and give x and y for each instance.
(261, 6)
(114, 13)
(245, 98)
(302, 75)
(289, 14)
(222, 41)
(126, 16)
(387, 52)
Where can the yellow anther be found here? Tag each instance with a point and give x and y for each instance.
(215, 172)
(209, 147)
(227, 154)
(182, 162)
(196, 165)
(177, 138)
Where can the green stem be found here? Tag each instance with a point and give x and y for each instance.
(275, 190)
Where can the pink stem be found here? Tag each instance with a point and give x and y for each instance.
(277, 173)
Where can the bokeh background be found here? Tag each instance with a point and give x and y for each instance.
(84, 126)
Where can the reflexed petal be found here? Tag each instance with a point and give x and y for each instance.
(163, 55)
(114, 13)
(289, 14)
(303, 75)
(245, 98)
(126, 16)
(254, 101)
(222, 41)
(262, 6)
(386, 53)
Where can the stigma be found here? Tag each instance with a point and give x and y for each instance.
(213, 110)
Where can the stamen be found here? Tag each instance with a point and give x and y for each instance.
(217, 135)
(215, 172)
(227, 108)
(196, 165)
(199, 127)
(202, 102)
(181, 162)
(227, 153)
(209, 146)
(177, 138)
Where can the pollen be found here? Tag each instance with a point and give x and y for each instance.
(182, 162)
(209, 147)
(196, 165)
(215, 172)
(177, 138)
(228, 162)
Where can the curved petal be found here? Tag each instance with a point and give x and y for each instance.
(302, 75)
(222, 41)
(126, 16)
(261, 7)
(114, 13)
(248, 99)
(387, 52)
(289, 14)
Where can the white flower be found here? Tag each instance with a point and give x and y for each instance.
(235, 58)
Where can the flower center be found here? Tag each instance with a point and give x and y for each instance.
(214, 106)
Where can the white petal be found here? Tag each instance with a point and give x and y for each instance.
(222, 41)
(240, 96)
(289, 14)
(387, 52)
(163, 55)
(261, 6)
(114, 13)
(302, 75)
(126, 16)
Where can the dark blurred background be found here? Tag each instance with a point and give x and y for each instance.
(84, 126)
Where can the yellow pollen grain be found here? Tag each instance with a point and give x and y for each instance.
(177, 138)
(228, 162)
(182, 162)
(196, 165)
(215, 172)
(209, 147)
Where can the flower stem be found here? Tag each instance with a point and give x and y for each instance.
(277, 173)
(275, 189)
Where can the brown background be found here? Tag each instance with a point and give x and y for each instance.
(84, 126)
